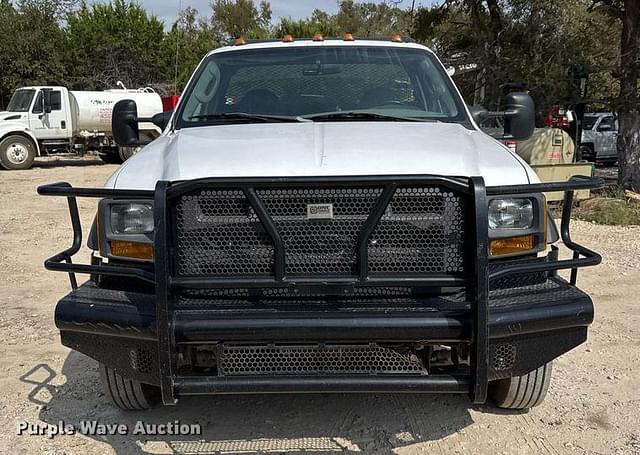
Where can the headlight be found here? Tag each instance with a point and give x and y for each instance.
(511, 214)
(131, 218)
(517, 225)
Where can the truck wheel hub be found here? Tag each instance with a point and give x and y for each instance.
(17, 153)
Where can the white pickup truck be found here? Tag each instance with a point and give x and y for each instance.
(50, 120)
(323, 216)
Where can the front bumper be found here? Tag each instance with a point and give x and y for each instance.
(502, 333)
(119, 329)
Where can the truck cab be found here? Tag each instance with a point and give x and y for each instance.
(599, 137)
(324, 216)
(43, 110)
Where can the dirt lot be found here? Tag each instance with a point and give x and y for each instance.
(593, 405)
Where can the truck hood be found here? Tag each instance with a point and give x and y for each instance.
(322, 149)
(9, 116)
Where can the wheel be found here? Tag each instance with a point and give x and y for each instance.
(110, 158)
(128, 394)
(127, 152)
(17, 152)
(585, 152)
(522, 392)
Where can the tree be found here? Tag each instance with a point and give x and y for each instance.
(234, 18)
(319, 22)
(372, 19)
(114, 42)
(33, 46)
(191, 37)
(535, 42)
(627, 12)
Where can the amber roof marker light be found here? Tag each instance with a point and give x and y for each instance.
(348, 37)
(287, 39)
(318, 37)
(396, 38)
(239, 41)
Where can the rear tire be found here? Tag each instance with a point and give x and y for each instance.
(522, 392)
(128, 394)
(127, 152)
(17, 153)
(110, 158)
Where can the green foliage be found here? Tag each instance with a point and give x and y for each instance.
(112, 42)
(233, 18)
(609, 210)
(33, 45)
(535, 42)
(489, 42)
(190, 38)
(319, 22)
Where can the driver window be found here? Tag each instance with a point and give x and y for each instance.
(203, 92)
(607, 124)
(37, 106)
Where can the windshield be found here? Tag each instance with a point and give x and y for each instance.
(303, 82)
(21, 101)
(589, 121)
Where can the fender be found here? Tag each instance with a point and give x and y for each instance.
(7, 128)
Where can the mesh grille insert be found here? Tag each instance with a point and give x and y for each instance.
(219, 234)
(239, 360)
(421, 232)
(312, 246)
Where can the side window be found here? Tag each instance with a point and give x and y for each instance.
(37, 106)
(56, 100)
(607, 124)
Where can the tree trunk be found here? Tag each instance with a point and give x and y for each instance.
(628, 109)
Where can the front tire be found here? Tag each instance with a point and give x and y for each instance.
(128, 394)
(17, 153)
(522, 392)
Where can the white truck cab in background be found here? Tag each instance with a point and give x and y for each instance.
(599, 137)
(47, 120)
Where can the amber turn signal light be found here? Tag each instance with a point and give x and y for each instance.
(511, 245)
(396, 38)
(318, 37)
(134, 250)
(287, 39)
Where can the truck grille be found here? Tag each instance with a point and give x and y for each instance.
(218, 232)
(241, 360)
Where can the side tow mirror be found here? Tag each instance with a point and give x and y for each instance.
(519, 116)
(479, 114)
(124, 124)
(162, 120)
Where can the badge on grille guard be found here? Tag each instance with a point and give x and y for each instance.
(319, 211)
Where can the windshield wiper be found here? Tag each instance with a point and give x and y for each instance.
(363, 115)
(247, 116)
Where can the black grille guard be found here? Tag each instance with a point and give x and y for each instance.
(62, 261)
(475, 278)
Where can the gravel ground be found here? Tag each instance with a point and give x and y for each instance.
(593, 405)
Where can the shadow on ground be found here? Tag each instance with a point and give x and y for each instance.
(314, 423)
(51, 162)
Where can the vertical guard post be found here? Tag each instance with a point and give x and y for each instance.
(479, 292)
(164, 323)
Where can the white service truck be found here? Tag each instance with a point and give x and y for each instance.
(324, 216)
(50, 120)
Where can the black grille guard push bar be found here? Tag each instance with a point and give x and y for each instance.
(476, 278)
(62, 261)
